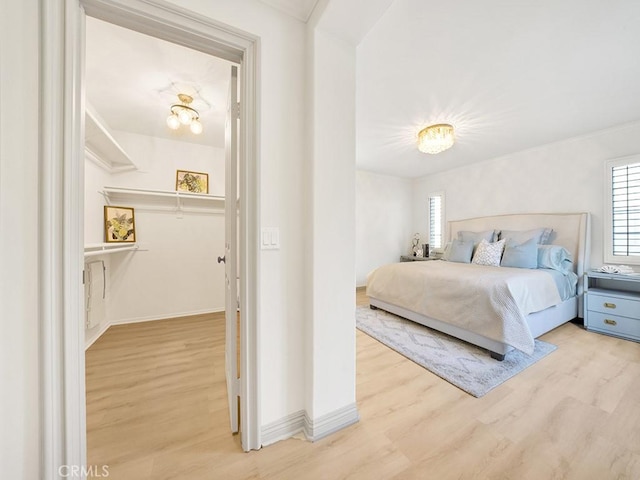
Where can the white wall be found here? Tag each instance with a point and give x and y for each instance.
(566, 176)
(19, 352)
(175, 272)
(158, 159)
(95, 179)
(332, 176)
(384, 221)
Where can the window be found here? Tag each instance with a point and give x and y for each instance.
(622, 218)
(436, 220)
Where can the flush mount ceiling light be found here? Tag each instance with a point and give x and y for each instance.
(183, 114)
(435, 138)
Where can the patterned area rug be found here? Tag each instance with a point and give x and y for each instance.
(466, 366)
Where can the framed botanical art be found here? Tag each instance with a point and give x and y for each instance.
(119, 224)
(193, 182)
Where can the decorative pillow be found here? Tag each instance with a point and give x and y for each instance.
(477, 237)
(523, 255)
(555, 257)
(488, 253)
(541, 235)
(457, 251)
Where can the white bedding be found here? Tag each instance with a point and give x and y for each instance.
(489, 301)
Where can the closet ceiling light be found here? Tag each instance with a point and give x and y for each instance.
(435, 138)
(183, 114)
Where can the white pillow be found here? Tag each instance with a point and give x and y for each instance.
(489, 253)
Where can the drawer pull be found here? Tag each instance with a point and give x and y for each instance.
(609, 305)
(610, 322)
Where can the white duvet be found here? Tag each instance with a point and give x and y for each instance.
(489, 301)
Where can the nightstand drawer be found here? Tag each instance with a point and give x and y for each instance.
(614, 324)
(612, 305)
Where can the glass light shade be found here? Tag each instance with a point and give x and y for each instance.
(185, 117)
(173, 122)
(196, 127)
(436, 138)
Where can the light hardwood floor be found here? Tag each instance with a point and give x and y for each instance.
(156, 409)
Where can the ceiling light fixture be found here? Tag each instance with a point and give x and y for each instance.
(183, 114)
(435, 138)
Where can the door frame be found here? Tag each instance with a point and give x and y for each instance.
(61, 194)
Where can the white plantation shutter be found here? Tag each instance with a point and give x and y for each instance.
(625, 210)
(622, 211)
(435, 221)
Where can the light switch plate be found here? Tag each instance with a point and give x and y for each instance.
(270, 238)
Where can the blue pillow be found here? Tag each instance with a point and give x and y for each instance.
(520, 255)
(541, 235)
(476, 237)
(555, 257)
(458, 251)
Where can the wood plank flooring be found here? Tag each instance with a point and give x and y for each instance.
(156, 409)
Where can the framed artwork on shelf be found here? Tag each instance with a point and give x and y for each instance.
(119, 224)
(193, 182)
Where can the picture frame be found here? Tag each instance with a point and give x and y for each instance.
(119, 224)
(192, 182)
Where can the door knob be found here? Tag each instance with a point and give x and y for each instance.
(221, 259)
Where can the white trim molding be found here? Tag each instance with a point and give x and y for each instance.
(313, 429)
(61, 193)
(318, 428)
(284, 428)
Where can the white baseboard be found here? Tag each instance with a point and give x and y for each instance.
(316, 429)
(284, 428)
(96, 335)
(313, 429)
(125, 321)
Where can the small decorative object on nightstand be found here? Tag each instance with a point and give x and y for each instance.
(414, 245)
(612, 304)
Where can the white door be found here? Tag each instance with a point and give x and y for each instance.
(231, 243)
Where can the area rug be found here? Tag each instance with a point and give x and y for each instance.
(466, 366)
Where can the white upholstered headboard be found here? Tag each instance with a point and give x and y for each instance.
(571, 230)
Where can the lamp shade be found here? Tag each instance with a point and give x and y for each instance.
(184, 116)
(196, 127)
(173, 122)
(436, 138)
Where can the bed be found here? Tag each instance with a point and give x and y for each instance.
(496, 308)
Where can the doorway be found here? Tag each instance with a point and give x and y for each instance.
(63, 374)
(139, 158)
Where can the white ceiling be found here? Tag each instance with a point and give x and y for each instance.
(300, 9)
(508, 75)
(133, 79)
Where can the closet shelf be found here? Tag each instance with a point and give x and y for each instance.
(101, 147)
(94, 249)
(164, 199)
